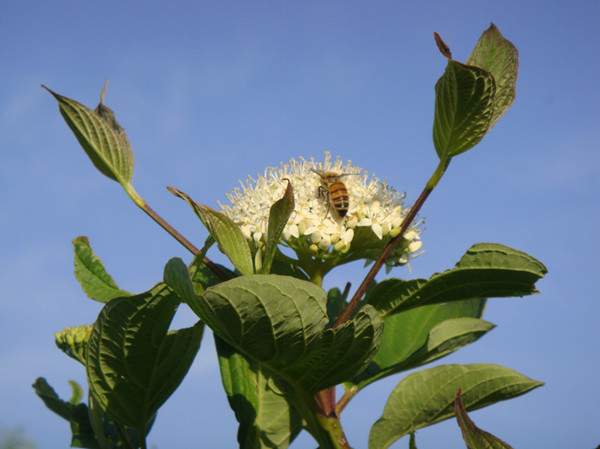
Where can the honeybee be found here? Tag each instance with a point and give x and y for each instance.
(334, 191)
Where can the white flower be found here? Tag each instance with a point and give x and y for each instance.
(315, 228)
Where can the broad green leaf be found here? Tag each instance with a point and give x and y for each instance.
(419, 336)
(227, 234)
(287, 266)
(73, 411)
(133, 363)
(102, 138)
(73, 341)
(427, 397)
(278, 217)
(91, 274)
(474, 437)
(286, 269)
(336, 303)
(98, 421)
(266, 418)
(464, 105)
(487, 270)
(500, 57)
(203, 277)
(281, 323)
(452, 334)
(107, 433)
(406, 332)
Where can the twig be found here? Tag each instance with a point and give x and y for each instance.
(141, 203)
(412, 213)
(362, 289)
(185, 242)
(345, 399)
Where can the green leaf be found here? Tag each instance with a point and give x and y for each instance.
(278, 217)
(102, 138)
(76, 392)
(427, 397)
(464, 106)
(91, 274)
(452, 334)
(336, 303)
(208, 243)
(406, 332)
(203, 277)
(74, 412)
(422, 335)
(133, 363)
(47, 394)
(486, 270)
(73, 341)
(474, 437)
(227, 234)
(98, 422)
(286, 268)
(281, 322)
(266, 418)
(108, 434)
(500, 57)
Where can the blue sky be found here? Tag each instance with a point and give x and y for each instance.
(212, 92)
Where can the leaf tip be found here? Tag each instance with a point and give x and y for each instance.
(172, 274)
(51, 92)
(289, 185)
(442, 46)
(103, 91)
(81, 239)
(173, 264)
(76, 392)
(178, 193)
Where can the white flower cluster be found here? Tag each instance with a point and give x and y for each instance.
(315, 224)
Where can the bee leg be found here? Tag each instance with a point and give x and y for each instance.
(328, 206)
(324, 193)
